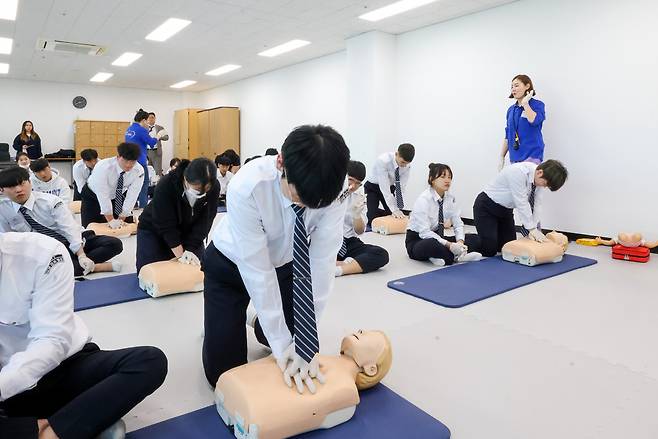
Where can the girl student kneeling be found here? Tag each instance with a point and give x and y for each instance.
(425, 233)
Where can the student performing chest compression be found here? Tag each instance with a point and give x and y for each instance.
(82, 169)
(277, 246)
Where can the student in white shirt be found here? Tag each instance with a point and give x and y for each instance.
(49, 181)
(104, 200)
(223, 176)
(520, 187)
(252, 251)
(82, 169)
(426, 240)
(387, 182)
(25, 210)
(173, 164)
(354, 255)
(55, 382)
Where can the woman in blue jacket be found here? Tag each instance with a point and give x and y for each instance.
(523, 139)
(138, 133)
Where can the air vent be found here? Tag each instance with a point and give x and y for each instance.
(70, 47)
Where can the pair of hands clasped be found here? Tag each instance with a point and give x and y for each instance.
(296, 369)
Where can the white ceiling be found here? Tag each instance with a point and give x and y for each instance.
(222, 32)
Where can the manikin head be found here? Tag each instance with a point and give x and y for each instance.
(630, 239)
(558, 238)
(405, 154)
(15, 184)
(42, 170)
(371, 351)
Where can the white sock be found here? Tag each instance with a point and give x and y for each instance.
(116, 266)
(469, 257)
(251, 315)
(438, 262)
(339, 271)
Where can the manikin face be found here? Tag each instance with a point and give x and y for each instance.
(18, 194)
(442, 184)
(353, 184)
(91, 163)
(24, 162)
(519, 89)
(540, 181)
(400, 161)
(45, 175)
(365, 347)
(28, 127)
(151, 120)
(126, 165)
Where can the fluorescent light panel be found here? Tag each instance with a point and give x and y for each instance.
(168, 29)
(394, 9)
(126, 59)
(182, 84)
(4, 67)
(8, 9)
(5, 45)
(223, 69)
(285, 47)
(101, 77)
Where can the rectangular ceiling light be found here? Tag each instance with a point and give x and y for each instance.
(182, 84)
(394, 9)
(4, 67)
(101, 77)
(8, 9)
(223, 69)
(168, 29)
(285, 47)
(126, 59)
(5, 45)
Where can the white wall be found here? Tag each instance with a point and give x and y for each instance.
(48, 105)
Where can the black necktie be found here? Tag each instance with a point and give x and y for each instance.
(398, 189)
(440, 230)
(118, 196)
(531, 201)
(40, 228)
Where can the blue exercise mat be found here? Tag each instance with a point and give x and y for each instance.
(221, 209)
(381, 414)
(94, 293)
(463, 284)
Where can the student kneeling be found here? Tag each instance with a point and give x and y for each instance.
(425, 232)
(179, 217)
(53, 381)
(354, 255)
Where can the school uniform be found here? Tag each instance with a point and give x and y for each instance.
(524, 138)
(99, 196)
(223, 182)
(425, 231)
(493, 210)
(251, 257)
(33, 146)
(47, 214)
(370, 257)
(172, 218)
(56, 186)
(49, 369)
(382, 187)
(139, 135)
(81, 174)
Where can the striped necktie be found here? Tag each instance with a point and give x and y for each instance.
(440, 229)
(531, 201)
(40, 228)
(343, 249)
(118, 196)
(398, 189)
(305, 330)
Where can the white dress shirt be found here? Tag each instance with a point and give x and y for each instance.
(38, 329)
(424, 218)
(511, 189)
(257, 235)
(353, 199)
(223, 181)
(383, 174)
(80, 174)
(103, 182)
(46, 209)
(56, 186)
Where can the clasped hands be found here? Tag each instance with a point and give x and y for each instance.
(296, 369)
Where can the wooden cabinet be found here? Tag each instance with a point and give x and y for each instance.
(186, 135)
(219, 130)
(101, 135)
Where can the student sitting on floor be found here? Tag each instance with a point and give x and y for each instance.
(178, 218)
(354, 255)
(113, 188)
(28, 211)
(235, 160)
(425, 233)
(49, 181)
(23, 160)
(520, 186)
(173, 163)
(387, 182)
(223, 176)
(82, 169)
(54, 382)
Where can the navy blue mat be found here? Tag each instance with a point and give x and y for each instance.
(106, 291)
(221, 209)
(381, 414)
(463, 284)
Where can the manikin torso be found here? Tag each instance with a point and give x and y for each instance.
(529, 252)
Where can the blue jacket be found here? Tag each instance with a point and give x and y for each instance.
(140, 135)
(531, 142)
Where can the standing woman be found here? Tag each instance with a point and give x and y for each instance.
(178, 218)
(525, 118)
(138, 133)
(28, 141)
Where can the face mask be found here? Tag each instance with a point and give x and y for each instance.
(193, 193)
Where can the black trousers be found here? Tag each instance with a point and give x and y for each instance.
(98, 249)
(86, 393)
(225, 300)
(422, 249)
(76, 192)
(494, 223)
(370, 257)
(90, 210)
(152, 248)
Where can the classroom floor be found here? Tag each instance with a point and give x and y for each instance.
(573, 356)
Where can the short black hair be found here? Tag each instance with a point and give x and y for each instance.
(141, 115)
(252, 158)
(437, 170)
(129, 151)
(88, 154)
(315, 160)
(151, 114)
(13, 176)
(407, 152)
(174, 162)
(555, 174)
(39, 165)
(271, 151)
(200, 171)
(235, 158)
(356, 170)
(21, 154)
(223, 160)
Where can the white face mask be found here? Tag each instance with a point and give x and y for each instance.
(193, 193)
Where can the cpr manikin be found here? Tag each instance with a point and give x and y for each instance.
(124, 231)
(389, 225)
(170, 277)
(625, 239)
(75, 206)
(259, 405)
(529, 252)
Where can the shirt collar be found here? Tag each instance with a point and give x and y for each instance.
(435, 195)
(117, 167)
(29, 204)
